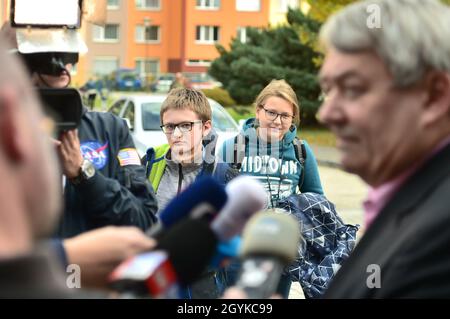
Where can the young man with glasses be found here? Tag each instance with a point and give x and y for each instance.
(186, 121)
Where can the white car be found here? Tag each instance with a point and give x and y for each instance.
(141, 111)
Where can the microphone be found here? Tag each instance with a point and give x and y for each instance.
(270, 243)
(179, 259)
(202, 199)
(246, 196)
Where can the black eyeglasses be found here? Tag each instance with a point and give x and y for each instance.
(184, 127)
(272, 116)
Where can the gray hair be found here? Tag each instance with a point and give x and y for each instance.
(413, 35)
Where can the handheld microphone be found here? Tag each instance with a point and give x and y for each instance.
(179, 258)
(246, 196)
(270, 242)
(203, 199)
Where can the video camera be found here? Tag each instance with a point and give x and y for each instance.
(48, 40)
(64, 106)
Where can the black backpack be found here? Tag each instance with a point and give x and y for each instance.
(240, 143)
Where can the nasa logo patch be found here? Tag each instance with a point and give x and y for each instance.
(96, 153)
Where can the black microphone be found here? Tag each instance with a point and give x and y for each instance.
(203, 199)
(178, 260)
(270, 242)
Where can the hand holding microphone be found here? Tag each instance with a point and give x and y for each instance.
(179, 258)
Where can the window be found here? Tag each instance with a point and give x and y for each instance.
(150, 116)
(284, 5)
(117, 107)
(129, 114)
(221, 119)
(147, 34)
(207, 34)
(105, 65)
(147, 66)
(109, 33)
(148, 4)
(208, 4)
(113, 4)
(248, 5)
(242, 34)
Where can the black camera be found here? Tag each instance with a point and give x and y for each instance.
(64, 106)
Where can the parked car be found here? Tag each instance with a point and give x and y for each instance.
(141, 111)
(126, 80)
(201, 81)
(162, 83)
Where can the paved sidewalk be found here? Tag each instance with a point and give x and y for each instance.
(326, 156)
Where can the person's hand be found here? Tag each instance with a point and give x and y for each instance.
(8, 33)
(100, 251)
(70, 154)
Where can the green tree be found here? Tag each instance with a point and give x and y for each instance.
(320, 10)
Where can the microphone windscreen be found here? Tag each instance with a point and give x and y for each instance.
(246, 196)
(270, 233)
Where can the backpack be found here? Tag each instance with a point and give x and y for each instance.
(326, 241)
(240, 143)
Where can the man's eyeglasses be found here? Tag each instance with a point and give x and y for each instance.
(272, 116)
(184, 127)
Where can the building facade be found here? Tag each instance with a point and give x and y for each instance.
(168, 36)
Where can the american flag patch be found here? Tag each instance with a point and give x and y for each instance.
(128, 156)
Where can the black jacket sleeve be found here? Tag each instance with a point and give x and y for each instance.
(124, 198)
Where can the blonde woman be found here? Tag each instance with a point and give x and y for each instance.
(268, 149)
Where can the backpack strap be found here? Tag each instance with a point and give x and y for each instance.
(300, 154)
(238, 151)
(148, 160)
(208, 168)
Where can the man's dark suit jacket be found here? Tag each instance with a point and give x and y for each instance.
(409, 241)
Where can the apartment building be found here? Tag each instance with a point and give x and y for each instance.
(160, 36)
(107, 44)
(217, 21)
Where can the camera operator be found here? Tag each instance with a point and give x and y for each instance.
(104, 183)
